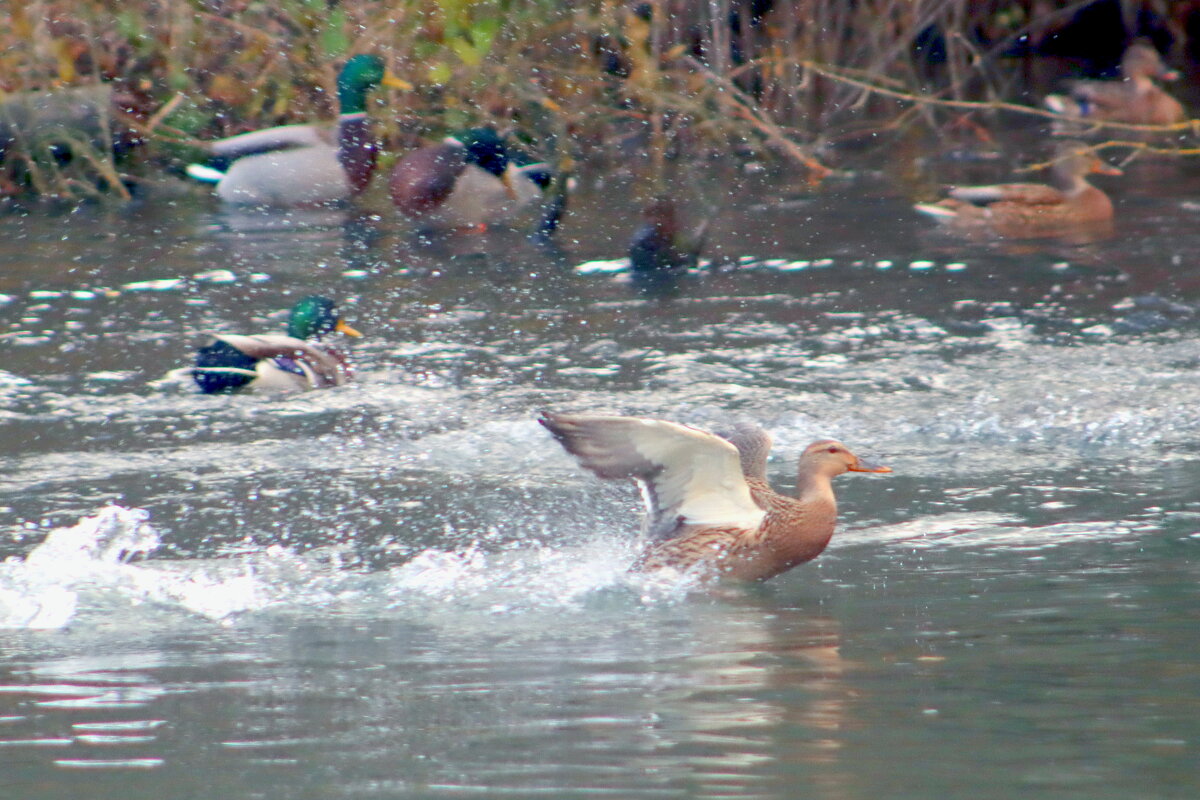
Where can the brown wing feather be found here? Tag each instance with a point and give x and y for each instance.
(328, 366)
(1031, 193)
(690, 549)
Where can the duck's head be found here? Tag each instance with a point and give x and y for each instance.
(832, 458)
(315, 316)
(1141, 60)
(358, 77)
(660, 213)
(1074, 161)
(485, 149)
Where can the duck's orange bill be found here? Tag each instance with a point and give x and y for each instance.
(506, 179)
(867, 466)
(393, 81)
(342, 327)
(1102, 168)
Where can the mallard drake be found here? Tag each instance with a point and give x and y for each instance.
(302, 165)
(296, 361)
(469, 181)
(707, 506)
(1136, 98)
(1033, 209)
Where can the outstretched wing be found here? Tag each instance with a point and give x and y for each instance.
(688, 477)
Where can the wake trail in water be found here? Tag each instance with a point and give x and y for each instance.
(91, 570)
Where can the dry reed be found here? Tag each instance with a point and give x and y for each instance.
(579, 78)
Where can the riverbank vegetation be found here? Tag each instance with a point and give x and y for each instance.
(789, 77)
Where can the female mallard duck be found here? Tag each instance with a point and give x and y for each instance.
(1033, 209)
(295, 362)
(470, 180)
(302, 165)
(1135, 99)
(709, 506)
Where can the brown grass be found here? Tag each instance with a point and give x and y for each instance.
(655, 78)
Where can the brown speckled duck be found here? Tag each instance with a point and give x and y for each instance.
(1135, 99)
(709, 506)
(1033, 209)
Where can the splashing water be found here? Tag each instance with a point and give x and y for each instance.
(48, 588)
(78, 572)
(41, 591)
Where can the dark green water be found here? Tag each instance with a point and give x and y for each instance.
(402, 588)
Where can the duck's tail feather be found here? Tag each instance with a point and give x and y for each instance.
(204, 174)
(694, 246)
(938, 212)
(1068, 106)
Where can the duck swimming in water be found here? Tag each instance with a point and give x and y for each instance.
(468, 181)
(1135, 99)
(1033, 209)
(297, 361)
(708, 504)
(304, 165)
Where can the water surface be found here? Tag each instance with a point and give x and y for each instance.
(403, 588)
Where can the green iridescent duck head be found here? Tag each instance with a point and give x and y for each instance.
(358, 77)
(315, 316)
(485, 149)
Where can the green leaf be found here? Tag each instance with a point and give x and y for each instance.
(484, 31)
(466, 51)
(440, 72)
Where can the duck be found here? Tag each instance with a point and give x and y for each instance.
(659, 252)
(304, 164)
(1134, 99)
(1033, 209)
(468, 181)
(297, 361)
(709, 509)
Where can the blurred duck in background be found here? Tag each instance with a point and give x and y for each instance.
(304, 165)
(1033, 209)
(1136, 98)
(467, 182)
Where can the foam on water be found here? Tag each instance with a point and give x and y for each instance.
(993, 532)
(86, 570)
(87, 567)
(86, 574)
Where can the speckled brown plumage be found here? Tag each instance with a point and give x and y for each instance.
(1033, 209)
(1135, 99)
(707, 507)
